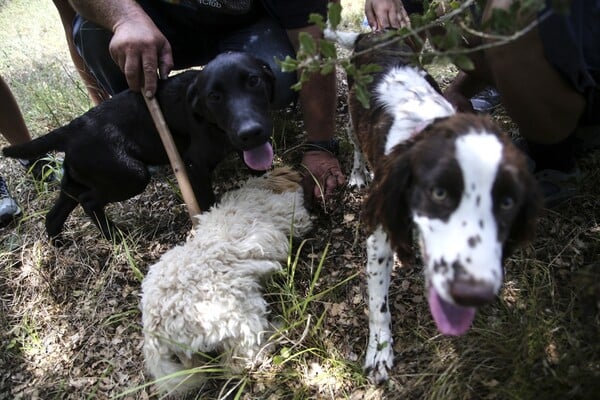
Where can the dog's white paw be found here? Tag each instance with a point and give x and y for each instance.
(379, 360)
(359, 179)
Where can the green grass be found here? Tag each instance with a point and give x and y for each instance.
(35, 63)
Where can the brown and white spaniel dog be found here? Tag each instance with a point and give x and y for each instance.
(454, 179)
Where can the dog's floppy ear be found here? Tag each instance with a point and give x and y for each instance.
(193, 97)
(525, 223)
(269, 79)
(387, 203)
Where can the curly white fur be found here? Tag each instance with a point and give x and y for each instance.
(205, 296)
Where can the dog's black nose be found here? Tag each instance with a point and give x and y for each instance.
(252, 135)
(471, 293)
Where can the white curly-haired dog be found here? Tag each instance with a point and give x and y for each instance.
(205, 297)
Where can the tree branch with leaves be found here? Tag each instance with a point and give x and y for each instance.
(446, 32)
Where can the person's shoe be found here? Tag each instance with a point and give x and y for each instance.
(9, 209)
(558, 186)
(486, 100)
(42, 169)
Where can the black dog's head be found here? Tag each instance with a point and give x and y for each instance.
(234, 92)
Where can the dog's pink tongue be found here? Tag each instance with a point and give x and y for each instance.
(259, 158)
(450, 319)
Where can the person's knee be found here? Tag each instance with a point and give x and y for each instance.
(537, 97)
(92, 43)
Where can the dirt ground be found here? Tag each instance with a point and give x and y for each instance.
(71, 324)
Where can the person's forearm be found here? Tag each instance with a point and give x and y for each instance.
(107, 13)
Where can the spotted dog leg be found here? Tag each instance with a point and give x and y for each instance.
(380, 259)
(360, 176)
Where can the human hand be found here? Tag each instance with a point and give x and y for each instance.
(383, 14)
(324, 174)
(140, 49)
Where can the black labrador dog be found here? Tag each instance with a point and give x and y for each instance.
(211, 112)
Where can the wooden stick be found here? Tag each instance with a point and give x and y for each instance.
(174, 157)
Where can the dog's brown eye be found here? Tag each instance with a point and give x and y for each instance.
(253, 80)
(439, 194)
(507, 202)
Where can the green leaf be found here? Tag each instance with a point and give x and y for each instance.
(441, 59)
(297, 86)
(370, 68)
(334, 14)
(285, 352)
(288, 65)
(463, 62)
(316, 19)
(362, 94)
(327, 68)
(416, 20)
(427, 58)
(277, 360)
(327, 49)
(346, 64)
(307, 43)
(437, 42)
(452, 38)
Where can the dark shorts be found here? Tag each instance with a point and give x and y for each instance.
(293, 14)
(572, 45)
(198, 37)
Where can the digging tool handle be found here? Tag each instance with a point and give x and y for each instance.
(174, 157)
